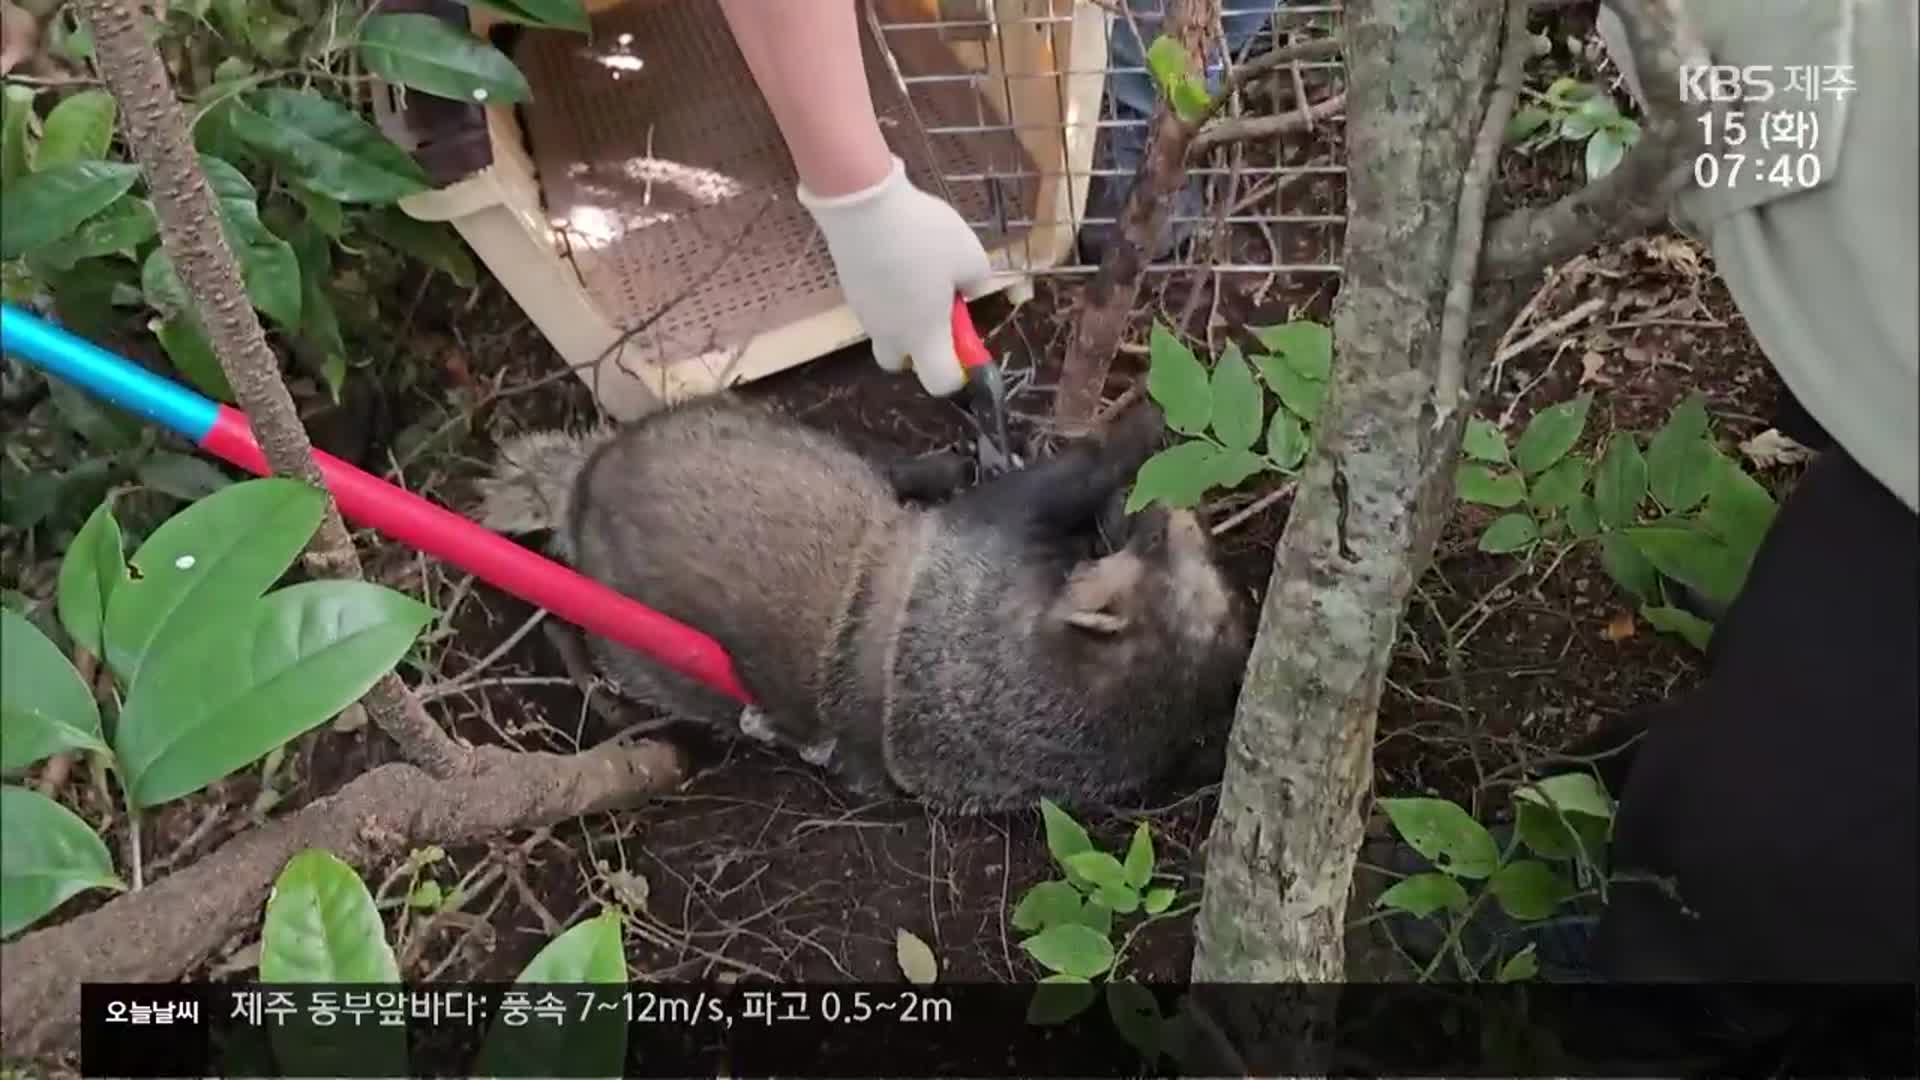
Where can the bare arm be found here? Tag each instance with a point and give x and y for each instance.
(805, 58)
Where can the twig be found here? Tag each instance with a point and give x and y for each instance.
(1457, 314)
(1259, 127)
(1540, 333)
(1252, 510)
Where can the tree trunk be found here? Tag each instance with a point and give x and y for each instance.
(156, 132)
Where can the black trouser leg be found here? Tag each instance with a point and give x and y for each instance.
(1780, 793)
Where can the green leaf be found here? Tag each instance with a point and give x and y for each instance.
(16, 158)
(1178, 382)
(50, 856)
(181, 475)
(44, 707)
(190, 353)
(1556, 488)
(1059, 998)
(422, 52)
(595, 1045)
(1306, 347)
(1604, 151)
(1099, 868)
(1139, 863)
(268, 266)
(1096, 916)
(289, 662)
(1620, 484)
(1680, 457)
(1157, 900)
(1287, 442)
(46, 207)
(1627, 567)
(1065, 837)
(1297, 390)
(322, 926)
(121, 228)
(1739, 509)
(1120, 899)
(1136, 1015)
(209, 559)
(94, 565)
(1550, 434)
(589, 952)
(323, 213)
(104, 426)
(559, 14)
(1509, 533)
(1484, 442)
(325, 147)
(915, 958)
(320, 333)
(434, 243)
(1177, 476)
(1423, 894)
(1049, 903)
(1445, 835)
(1696, 631)
(80, 128)
(1545, 833)
(1476, 483)
(1528, 890)
(1582, 518)
(1525, 121)
(1571, 793)
(1237, 406)
(1519, 967)
(1231, 468)
(1693, 557)
(1071, 949)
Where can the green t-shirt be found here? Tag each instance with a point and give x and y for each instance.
(1812, 210)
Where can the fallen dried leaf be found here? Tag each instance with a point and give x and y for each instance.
(1770, 449)
(916, 959)
(1620, 627)
(1592, 366)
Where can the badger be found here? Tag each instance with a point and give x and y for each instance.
(978, 650)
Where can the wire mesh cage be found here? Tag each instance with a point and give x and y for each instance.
(640, 207)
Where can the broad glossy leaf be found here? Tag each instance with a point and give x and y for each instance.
(181, 475)
(208, 560)
(1529, 890)
(118, 230)
(1423, 894)
(1476, 483)
(915, 958)
(47, 206)
(1139, 862)
(1065, 836)
(1121, 899)
(325, 147)
(434, 243)
(1627, 567)
(434, 57)
(289, 662)
(1299, 391)
(1556, 488)
(1550, 434)
(1620, 483)
(1098, 867)
(1569, 793)
(1047, 904)
(590, 952)
(559, 14)
(1071, 949)
(1287, 443)
(1680, 457)
(1136, 1015)
(1177, 476)
(322, 927)
(1059, 998)
(1306, 346)
(16, 105)
(1693, 557)
(1237, 405)
(267, 263)
(80, 128)
(1739, 510)
(1691, 628)
(1483, 441)
(191, 354)
(1178, 382)
(44, 707)
(49, 856)
(1509, 533)
(1231, 468)
(1445, 835)
(1157, 900)
(95, 564)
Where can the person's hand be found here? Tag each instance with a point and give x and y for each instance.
(901, 255)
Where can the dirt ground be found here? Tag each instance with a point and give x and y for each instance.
(759, 865)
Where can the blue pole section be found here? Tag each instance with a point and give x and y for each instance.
(113, 378)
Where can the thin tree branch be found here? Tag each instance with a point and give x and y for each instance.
(1222, 132)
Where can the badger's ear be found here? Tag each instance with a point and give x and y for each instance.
(1098, 595)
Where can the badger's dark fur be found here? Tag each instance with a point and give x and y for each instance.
(978, 655)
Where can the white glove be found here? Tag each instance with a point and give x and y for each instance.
(901, 256)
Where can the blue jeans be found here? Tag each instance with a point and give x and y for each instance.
(1131, 96)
